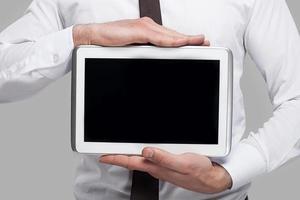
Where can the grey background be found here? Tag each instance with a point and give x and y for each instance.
(36, 161)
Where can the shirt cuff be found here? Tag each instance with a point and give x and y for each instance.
(56, 51)
(243, 164)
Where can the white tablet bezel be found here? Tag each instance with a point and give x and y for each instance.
(150, 52)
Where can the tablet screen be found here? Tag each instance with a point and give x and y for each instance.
(151, 101)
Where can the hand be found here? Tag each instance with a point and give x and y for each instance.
(125, 32)
(190, 171)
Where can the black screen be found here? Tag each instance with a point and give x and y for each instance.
(151, 101)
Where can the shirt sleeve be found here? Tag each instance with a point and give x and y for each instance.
(272, 40)
(34, 51)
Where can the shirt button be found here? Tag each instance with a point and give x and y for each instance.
(55, 58)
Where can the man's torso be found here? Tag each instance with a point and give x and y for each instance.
(223, 22)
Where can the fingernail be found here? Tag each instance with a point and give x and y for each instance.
(148, 153)
(102, 159)
(206, 42)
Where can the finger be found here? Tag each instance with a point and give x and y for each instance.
(176, 41)
(160, 39)
(119, 160)
(162, 36)
(185, 163)
(151, 32)
(162, 29)
(191, 39)
(167, 160)
(206, 42)
(196, 40)
(133, 163)
(130, 162)
(141, 164)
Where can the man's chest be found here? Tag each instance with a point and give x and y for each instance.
(222, 21)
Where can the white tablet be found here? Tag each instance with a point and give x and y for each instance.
(127, 98)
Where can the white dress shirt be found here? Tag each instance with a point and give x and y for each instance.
(36, 50)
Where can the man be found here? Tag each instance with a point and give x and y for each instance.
(36, 50)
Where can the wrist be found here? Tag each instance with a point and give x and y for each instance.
(221, 179)
(82, 35)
